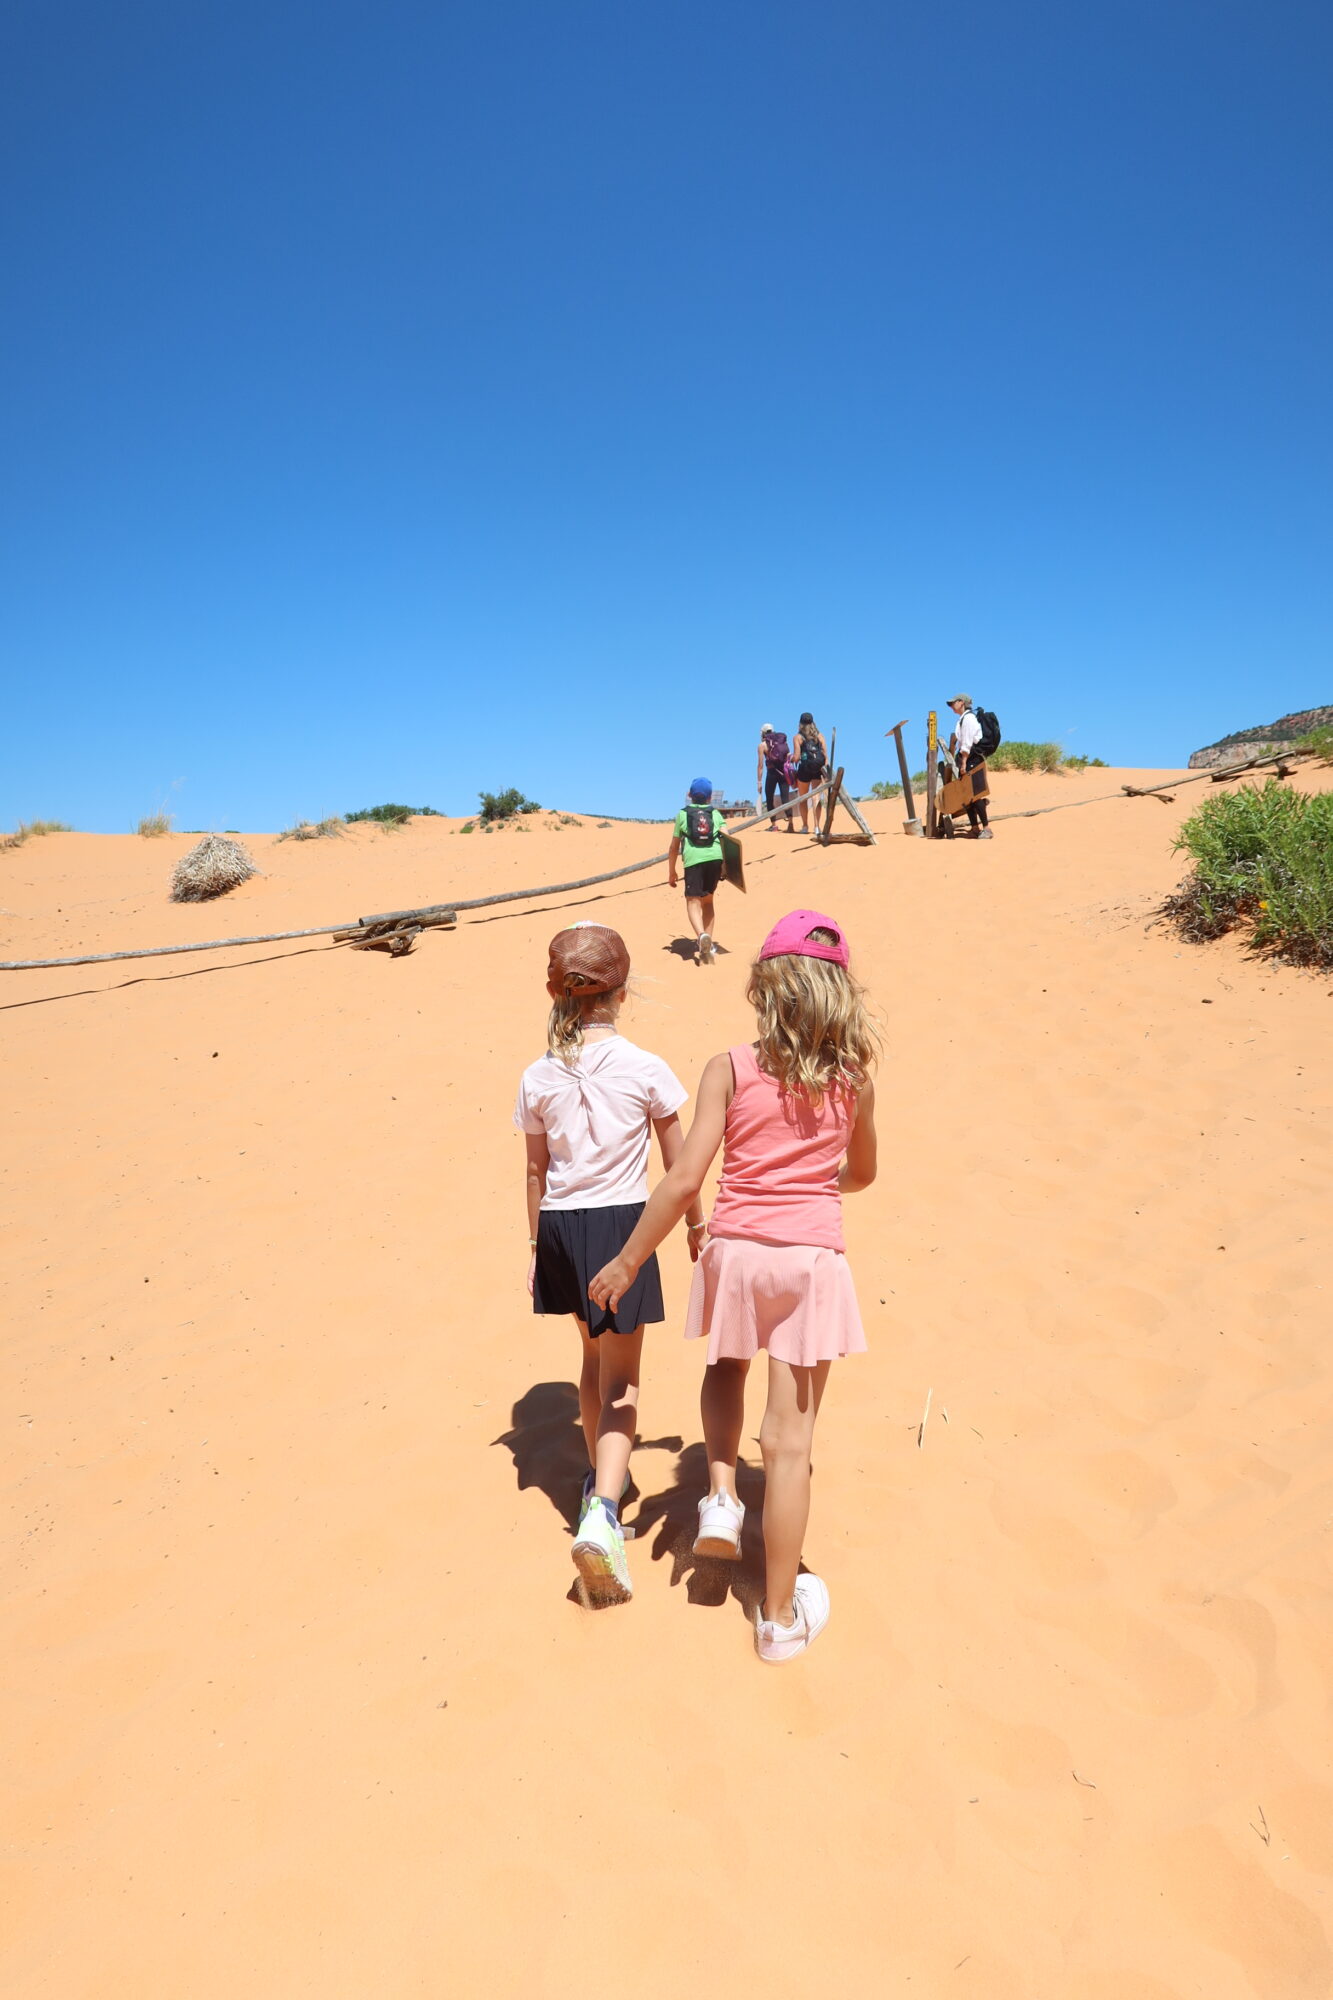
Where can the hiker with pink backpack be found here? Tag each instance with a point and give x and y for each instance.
(774, 773)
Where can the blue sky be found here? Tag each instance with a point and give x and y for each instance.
(409, 399)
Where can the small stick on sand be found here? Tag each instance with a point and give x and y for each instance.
(921, 1430)
(1083, 1781)
(944, 1413)
(1262, 1832)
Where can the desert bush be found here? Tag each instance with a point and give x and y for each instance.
(504, 805)
(1020, 756)
(1320, 741)
(391, 815)
(211, 868)
(1086, 764)
(1263, 857)
(33, 829)
(884, 788)
(153, 825)
(314, 829)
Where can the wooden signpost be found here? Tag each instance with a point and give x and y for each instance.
(932, 774)
(911, 824)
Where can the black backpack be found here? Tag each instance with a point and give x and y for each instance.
(700, 828)
(990, 731)
(812, 758)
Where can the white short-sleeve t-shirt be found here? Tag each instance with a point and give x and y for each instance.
(597, 1118)
(967, 734)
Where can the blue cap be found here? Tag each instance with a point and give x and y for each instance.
(701, 788)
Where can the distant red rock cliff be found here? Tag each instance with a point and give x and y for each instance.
(1280, 735)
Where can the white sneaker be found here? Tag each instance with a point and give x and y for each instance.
(720, 1522)
(705, 948)
(598, 1550)
(776, 1643)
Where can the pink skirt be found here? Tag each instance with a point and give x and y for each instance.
(794, 1299)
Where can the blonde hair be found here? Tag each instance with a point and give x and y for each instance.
(568, 1016)
(815, 1030)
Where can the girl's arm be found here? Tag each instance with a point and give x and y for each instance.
(539, 1159)
(678, 1189)
(671, 1139)
(858, 1169)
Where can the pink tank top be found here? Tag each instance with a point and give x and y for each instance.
(780, 1161)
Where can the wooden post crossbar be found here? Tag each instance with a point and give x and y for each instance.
(865, 838)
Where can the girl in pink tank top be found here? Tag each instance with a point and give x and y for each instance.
(794, 1114)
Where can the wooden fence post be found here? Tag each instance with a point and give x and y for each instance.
(932, 774)
(911, 824)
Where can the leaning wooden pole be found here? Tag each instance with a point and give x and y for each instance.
(911, 824)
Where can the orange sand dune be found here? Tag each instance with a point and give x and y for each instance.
(296, 1702)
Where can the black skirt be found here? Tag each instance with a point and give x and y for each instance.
(572, 1246)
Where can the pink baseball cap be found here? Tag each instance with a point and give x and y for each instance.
(790, 938)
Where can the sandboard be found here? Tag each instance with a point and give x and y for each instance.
(956, 794)
(733, 861)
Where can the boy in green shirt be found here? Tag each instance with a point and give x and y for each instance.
(697, 830)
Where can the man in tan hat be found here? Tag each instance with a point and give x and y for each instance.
(966, 755)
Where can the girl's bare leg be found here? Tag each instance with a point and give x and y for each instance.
(803, 788)
(618, 1408)
(590, 1390)
(785, 1436)
(722, 1407)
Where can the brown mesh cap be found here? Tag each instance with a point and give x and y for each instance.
(586, 958)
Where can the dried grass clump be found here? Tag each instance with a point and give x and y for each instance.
(210, 869)
(153, 825)
(314, 829)
(32, 829)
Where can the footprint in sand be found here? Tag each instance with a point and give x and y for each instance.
(1233, 1905)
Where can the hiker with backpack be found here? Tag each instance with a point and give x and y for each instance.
(773, 774)
(811, 764)
(976, 738)
(698, 833)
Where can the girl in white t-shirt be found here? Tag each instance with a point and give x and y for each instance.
(588, 1109)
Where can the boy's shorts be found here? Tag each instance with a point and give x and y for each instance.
(702, 877)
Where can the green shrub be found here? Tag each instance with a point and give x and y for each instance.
(1320, 741)
(1020, 756)
(504, 805)
(390, 815)
(883, 788)
(1086, 764)
(1263, 857)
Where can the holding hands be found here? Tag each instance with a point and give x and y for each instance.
(614, 1279)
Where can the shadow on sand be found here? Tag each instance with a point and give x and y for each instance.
(546, 1443)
